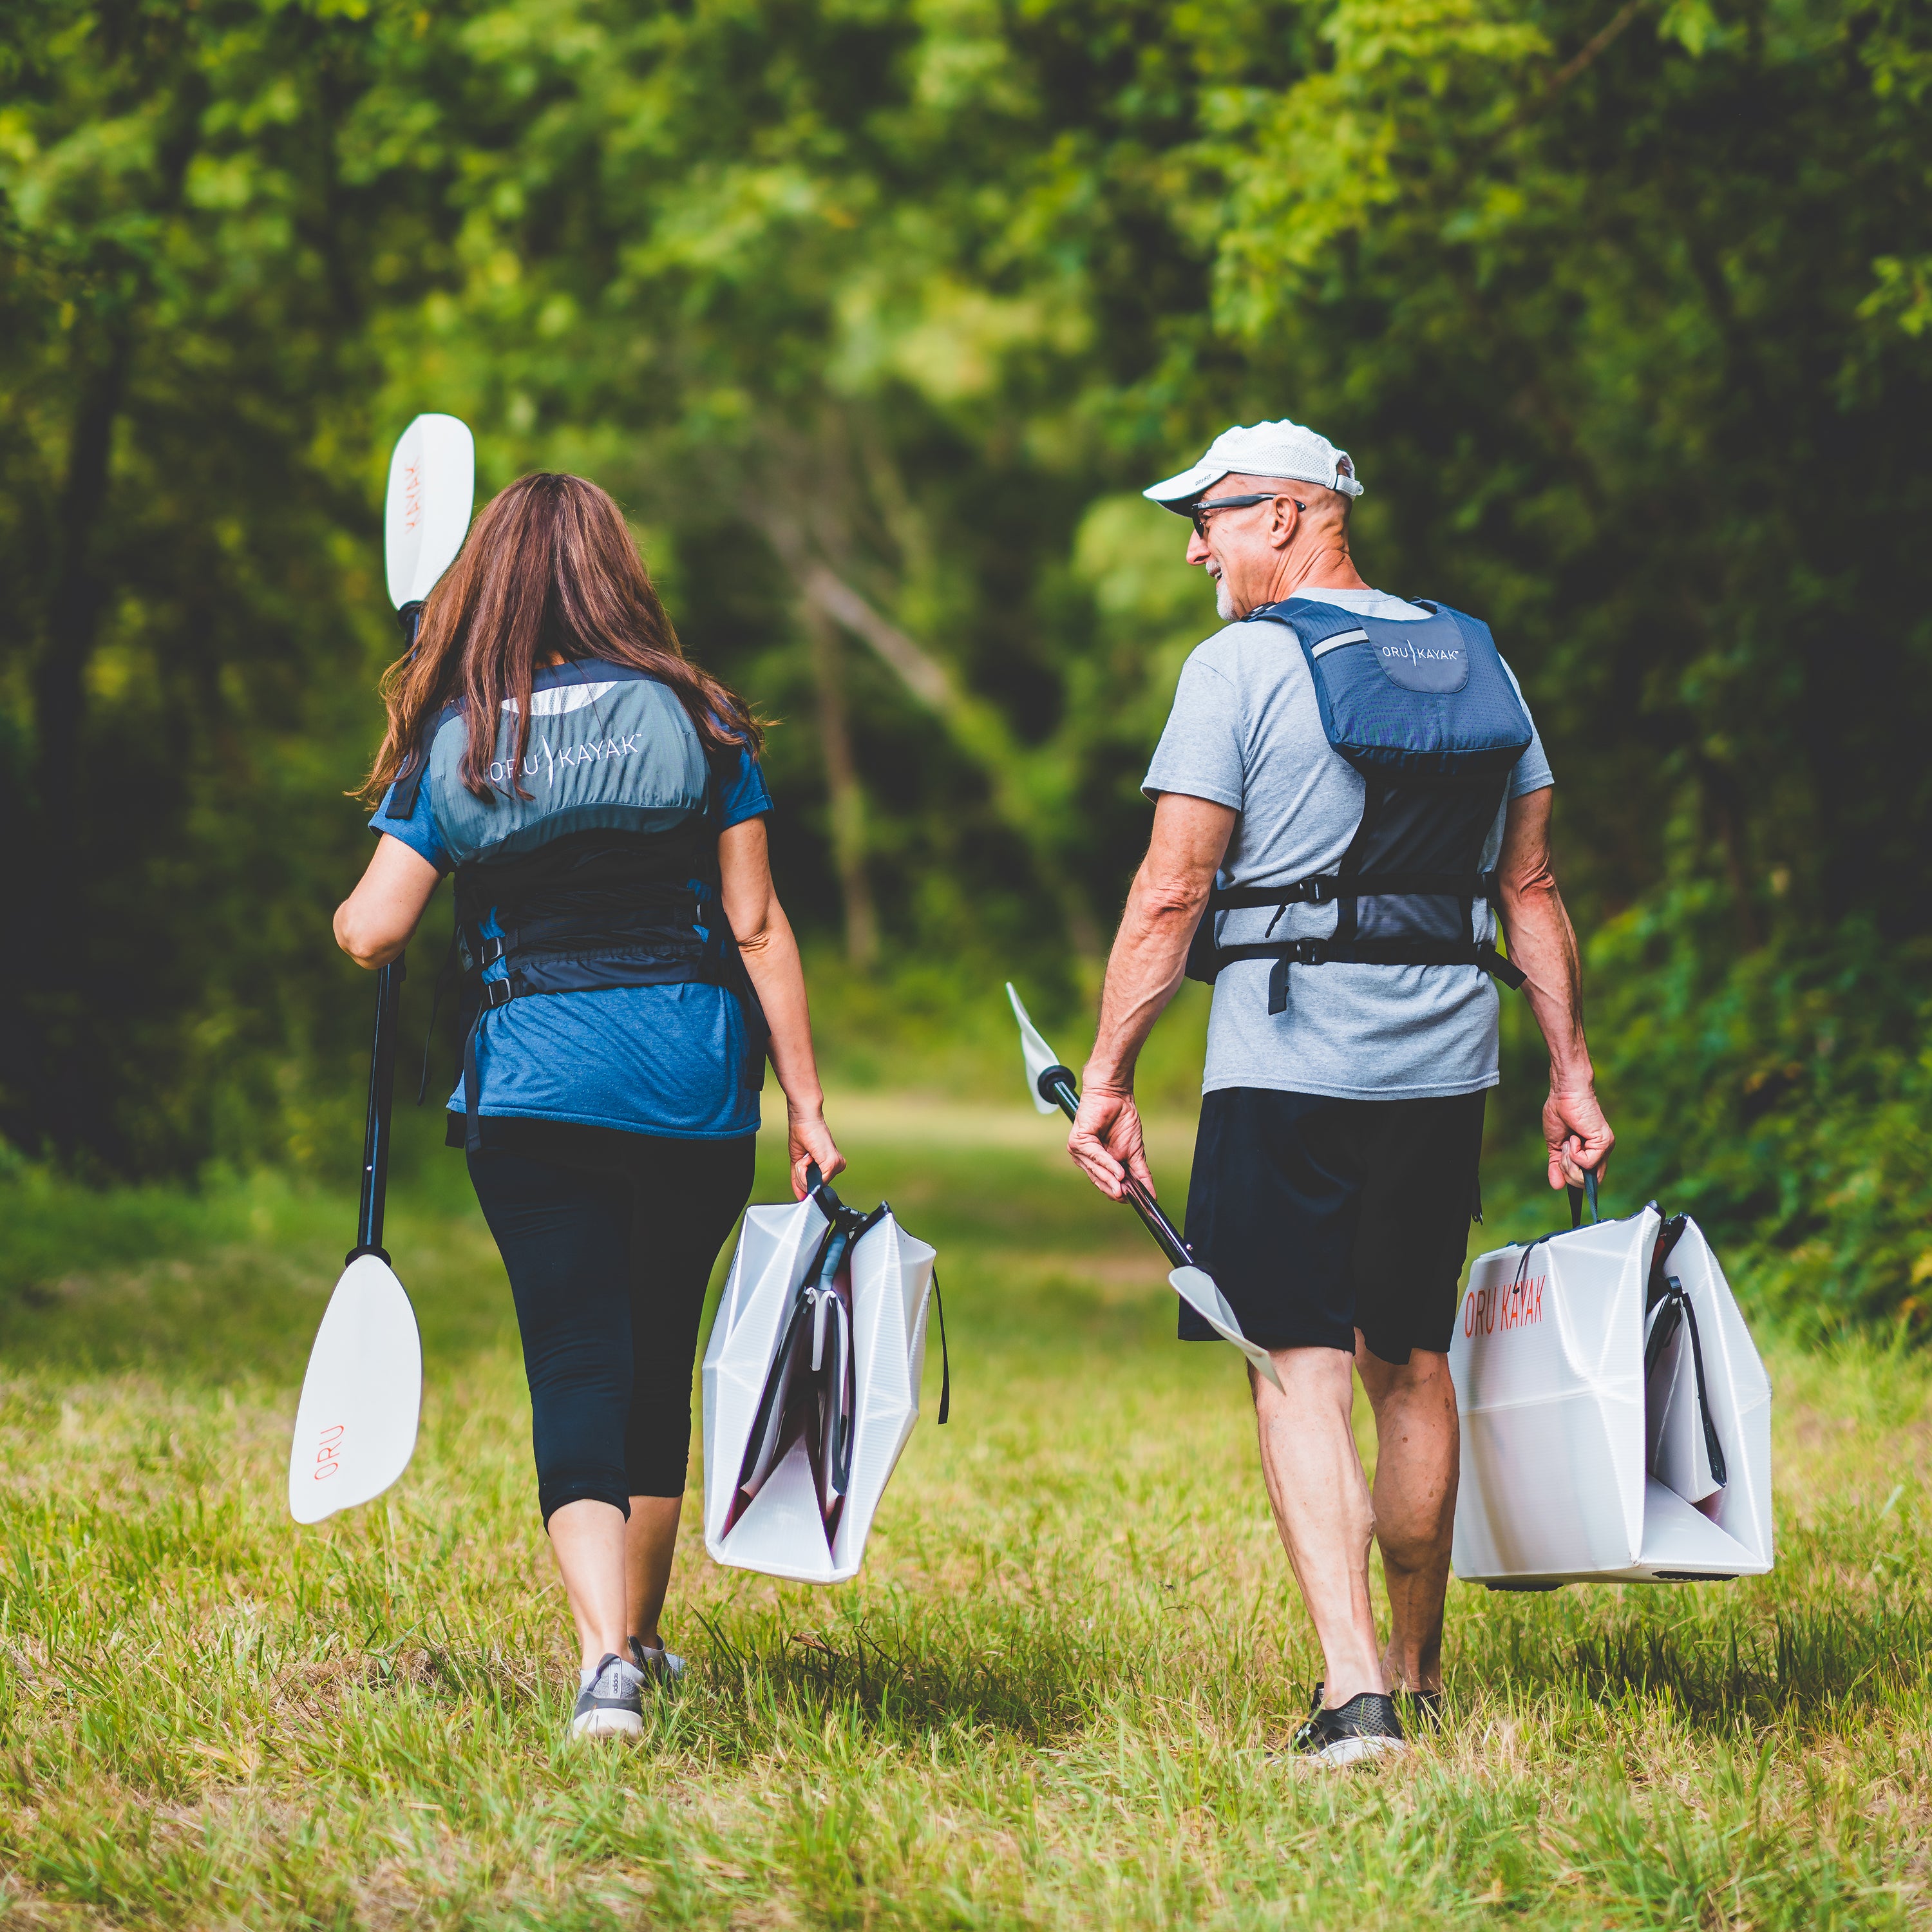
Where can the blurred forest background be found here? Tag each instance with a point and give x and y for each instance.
(875, 315)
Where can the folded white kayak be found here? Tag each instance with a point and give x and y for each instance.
(811, 1382)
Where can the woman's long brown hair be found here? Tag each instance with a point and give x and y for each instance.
(548, 569)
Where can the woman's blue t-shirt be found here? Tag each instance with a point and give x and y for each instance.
(645, 1060)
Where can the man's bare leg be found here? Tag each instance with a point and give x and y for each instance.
(1322, 1507)
(1417, 1445)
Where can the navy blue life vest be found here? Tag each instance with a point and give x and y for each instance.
(606, 874)
(1426, 713)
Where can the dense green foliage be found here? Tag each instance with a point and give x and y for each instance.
(874, 316)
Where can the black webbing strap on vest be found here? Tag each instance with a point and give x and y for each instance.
(1344, 889)
(605, 927)
(1287, 952)
(1325, 888)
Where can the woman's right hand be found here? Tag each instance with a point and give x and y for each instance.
(812, 1141)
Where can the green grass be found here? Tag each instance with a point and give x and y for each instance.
(1049, 1700)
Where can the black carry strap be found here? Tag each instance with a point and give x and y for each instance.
(1579, 1195)
(945, 1359)
(836, 1210)
(1676, 1310)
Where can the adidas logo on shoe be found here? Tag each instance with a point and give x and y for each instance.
(610, 1701)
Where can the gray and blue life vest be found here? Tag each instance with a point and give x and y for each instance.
(1426, 713)
(606, 874)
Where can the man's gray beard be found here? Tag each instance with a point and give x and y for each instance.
(1224, 600)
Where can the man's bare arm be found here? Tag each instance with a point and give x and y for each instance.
(1543, 944)
(1164, 905)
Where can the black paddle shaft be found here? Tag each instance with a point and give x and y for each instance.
(1056, 1084)
(375, 1124)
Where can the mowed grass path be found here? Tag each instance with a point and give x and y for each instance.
(1050, 1699)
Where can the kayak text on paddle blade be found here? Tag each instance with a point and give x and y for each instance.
(432, 484)
(1039, 1055)
(355, 1426)
(1202, 1294)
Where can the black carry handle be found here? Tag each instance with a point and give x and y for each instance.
(1577, 1195)
(375, 1123)
(832, 1208)
(1056, 1084)
(945, 1355)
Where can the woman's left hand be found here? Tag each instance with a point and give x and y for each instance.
(812, 1141)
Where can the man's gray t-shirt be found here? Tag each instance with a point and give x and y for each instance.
(1245, 732)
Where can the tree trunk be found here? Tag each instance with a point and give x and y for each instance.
(46, 988)
(977, 729)
(73, 611)
(846, 799)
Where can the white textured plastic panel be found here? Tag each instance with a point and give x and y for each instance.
(891, 1281)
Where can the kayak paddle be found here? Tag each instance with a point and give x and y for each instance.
(356, 1425)
(432, 485)
(1051, 1085)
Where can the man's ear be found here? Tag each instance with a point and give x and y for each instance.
(1283, 519)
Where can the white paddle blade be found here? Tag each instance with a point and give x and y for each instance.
(432, 483)
(356, 1427)
(1202, 1294)
(1039, 1055)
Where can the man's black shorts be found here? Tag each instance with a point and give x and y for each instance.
(1319, 1216)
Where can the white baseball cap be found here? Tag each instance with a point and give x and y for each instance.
(1281, 449)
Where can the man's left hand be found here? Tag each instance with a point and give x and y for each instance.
(1106, 1140)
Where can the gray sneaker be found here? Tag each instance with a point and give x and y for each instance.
(666, 1666)
(610, 1701)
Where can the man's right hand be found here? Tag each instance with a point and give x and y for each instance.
(1578, 1136)
(1106, 1140)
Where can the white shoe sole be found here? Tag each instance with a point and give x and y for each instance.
(1353, 1750)
(608, 1724)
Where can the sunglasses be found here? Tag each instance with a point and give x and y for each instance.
(1199, 512)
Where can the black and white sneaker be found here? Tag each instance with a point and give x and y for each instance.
(1365, 1727)
(610, 1701)
(665, 1667)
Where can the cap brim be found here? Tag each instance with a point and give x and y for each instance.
(1178, 493)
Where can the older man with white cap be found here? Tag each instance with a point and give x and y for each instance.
(1349, 794)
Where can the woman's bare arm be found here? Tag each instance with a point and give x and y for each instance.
(373, 923)
(764, 936)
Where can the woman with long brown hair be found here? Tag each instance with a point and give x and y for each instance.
(628, 966)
